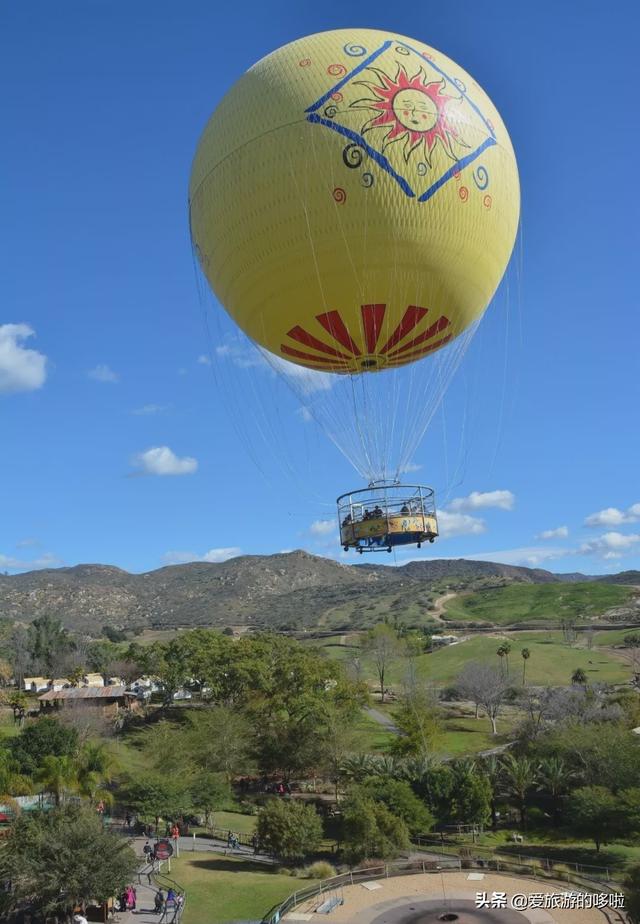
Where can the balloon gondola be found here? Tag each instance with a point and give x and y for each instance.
(381, 517)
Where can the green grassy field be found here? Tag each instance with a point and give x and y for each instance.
(536, 602)
(224, 889)
(235, 821)
(8, 728)
(552, 661)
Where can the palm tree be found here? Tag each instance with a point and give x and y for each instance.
(57, 775)
(357, 767)
(555, 779)
(579, 676)
(506, 647)
(501, 653)
(95, 770)
(519, 775)
(526, 654)
(492, 770)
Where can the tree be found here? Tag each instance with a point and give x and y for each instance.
(594, 813)
(370, 829)
(49, 643)
(417, 720)
(579, 676)
(210, 792)
(486, 686)
(95, 770)
(632, 892)
(506, 648)
(60, 859)
(18, 702)
(160, 797)
(525, 654)
(57, 775)
(519, 775)
(401, 802)
(472, 795)
(289, 830)
(555, 779)
(219, 740)
(382, 646)
(46, 736)
(492, 771)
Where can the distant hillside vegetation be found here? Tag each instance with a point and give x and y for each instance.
(295, 590)
(542, 603)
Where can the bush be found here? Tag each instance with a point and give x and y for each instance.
(319, 870)
(289, 830)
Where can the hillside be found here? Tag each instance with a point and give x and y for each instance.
(295, 590)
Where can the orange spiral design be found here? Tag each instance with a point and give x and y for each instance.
(487, 201)
(463, 192)
(336, 70)
(339, 195)
(305, 62)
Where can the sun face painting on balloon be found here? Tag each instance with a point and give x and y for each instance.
(354, 202)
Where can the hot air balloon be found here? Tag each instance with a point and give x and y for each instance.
(354, 202)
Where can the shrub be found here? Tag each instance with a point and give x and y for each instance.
(321, 869)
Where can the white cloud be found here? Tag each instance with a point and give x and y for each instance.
(410, 467)
(213, 556)
(204, 360)
(150, 409)
(611, 516)
(21, 369)
(160, 460)
(103, 373)
(459, 524)
(611, 545)
(28, 543)
(528, 556)
(302, 379)
(46, 560)
(305, 414)
(561, 532)
(322, 527)
(480, 500)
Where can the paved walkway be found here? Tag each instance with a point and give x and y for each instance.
(146, 887)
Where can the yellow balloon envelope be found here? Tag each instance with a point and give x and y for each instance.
(354, 201)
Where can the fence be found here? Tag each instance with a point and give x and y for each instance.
(517, 864)
(496, 859)
(353, 877)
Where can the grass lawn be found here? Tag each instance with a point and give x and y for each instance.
(8, 728)
(236, 822)
(552, 662)
(614, 636)
(462, 736)
(516, 603)
(224, 889)
(373, 738)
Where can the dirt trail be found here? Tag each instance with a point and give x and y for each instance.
(440, 605)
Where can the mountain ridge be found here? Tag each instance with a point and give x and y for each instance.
(284, 590)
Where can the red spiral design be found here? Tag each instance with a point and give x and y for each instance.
(463, 192)
(336, 70)
(337, 97)
(487, 201)
(305, 62)
(339, 195)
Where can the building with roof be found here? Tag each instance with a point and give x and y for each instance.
(35, 684)
(110, 700)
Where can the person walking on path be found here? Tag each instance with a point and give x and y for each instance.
(159, 902)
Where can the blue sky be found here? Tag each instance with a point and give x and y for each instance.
(118, 442)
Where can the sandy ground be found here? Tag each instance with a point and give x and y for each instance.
(362, 905)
